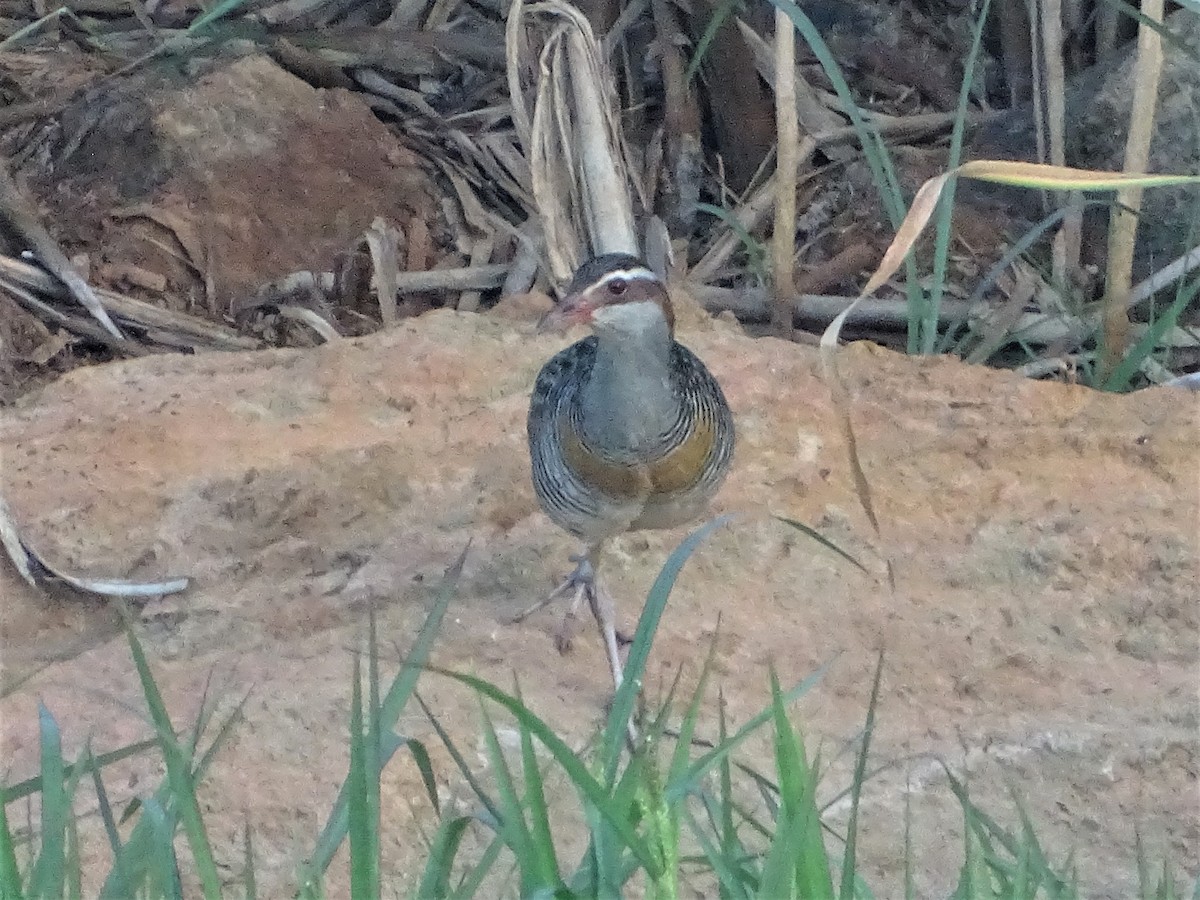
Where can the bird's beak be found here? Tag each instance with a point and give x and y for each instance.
(571, 310)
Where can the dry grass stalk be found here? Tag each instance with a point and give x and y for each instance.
(815, 118)
(383, 243)
(684, 153)
(1122, 231)
(481, 252)
(787, 128)
(1067, 243)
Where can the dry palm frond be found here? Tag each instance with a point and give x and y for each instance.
(572, 138)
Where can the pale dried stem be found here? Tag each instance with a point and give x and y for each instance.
(1122, 231)
(610, 214)
(787, 129)
(815, 118)
(572, 140)
(1068, 240)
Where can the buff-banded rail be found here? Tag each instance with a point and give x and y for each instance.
(627, 428)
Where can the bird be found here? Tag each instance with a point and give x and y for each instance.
(627, 428)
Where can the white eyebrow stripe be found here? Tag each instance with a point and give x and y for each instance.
(641, 273)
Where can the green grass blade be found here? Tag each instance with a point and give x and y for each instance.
(540, 833)
(1164, 31)
(797, 785)
(250, 889)
(849, 857)
(715, 21)
(790, 765)
(219, 11)
(435, 879)
(391, 706)
(405, 681)
(729, 881)
(780, 866)
(459, 760)
(823, 541)
(106, 816)
(1021, 885)
(756, 253)
(179, 774)
(33, 785)
(616, 727)
(364, 875)
(985, 827)
(953, 338)
(605, 869)
(1145, 891)
(731, 845)
(1040, 869)
(160, 834)
(687, 727)
(662, 827)
(425, 768)
(683, 785)
(928, 325)
(131, 861)
(223, 734)
(512, 815)
(74, 865)
(882, 172)
(973, 882)
(576, 771)
(910, 886)
(469, 886)
(374, 746)
(72, 862)
(10, 875)
(202, 717)
(778, 879)
(49, 871)
(1166, 887)
(1131, 363)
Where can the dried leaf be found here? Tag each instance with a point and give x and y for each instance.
(383, 242)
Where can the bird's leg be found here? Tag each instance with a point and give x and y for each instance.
(602, 606)
(582, 581)
(604, 610)
(577, 582)
(582, 585)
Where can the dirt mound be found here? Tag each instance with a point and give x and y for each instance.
(1044, 632)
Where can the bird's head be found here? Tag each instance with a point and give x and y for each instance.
(615, 292)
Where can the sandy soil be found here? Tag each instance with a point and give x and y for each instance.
(1043, 633)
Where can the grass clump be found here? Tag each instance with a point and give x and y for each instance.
(655, 807)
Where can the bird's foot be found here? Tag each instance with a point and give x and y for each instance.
(578, 584)
(582, 586)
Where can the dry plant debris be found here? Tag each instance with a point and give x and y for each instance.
(90, 92)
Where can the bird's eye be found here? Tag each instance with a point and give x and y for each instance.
(617, 286)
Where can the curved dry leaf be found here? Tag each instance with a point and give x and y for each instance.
(1032, 175)
(34, 569)
(311, 319)
(13, 544)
